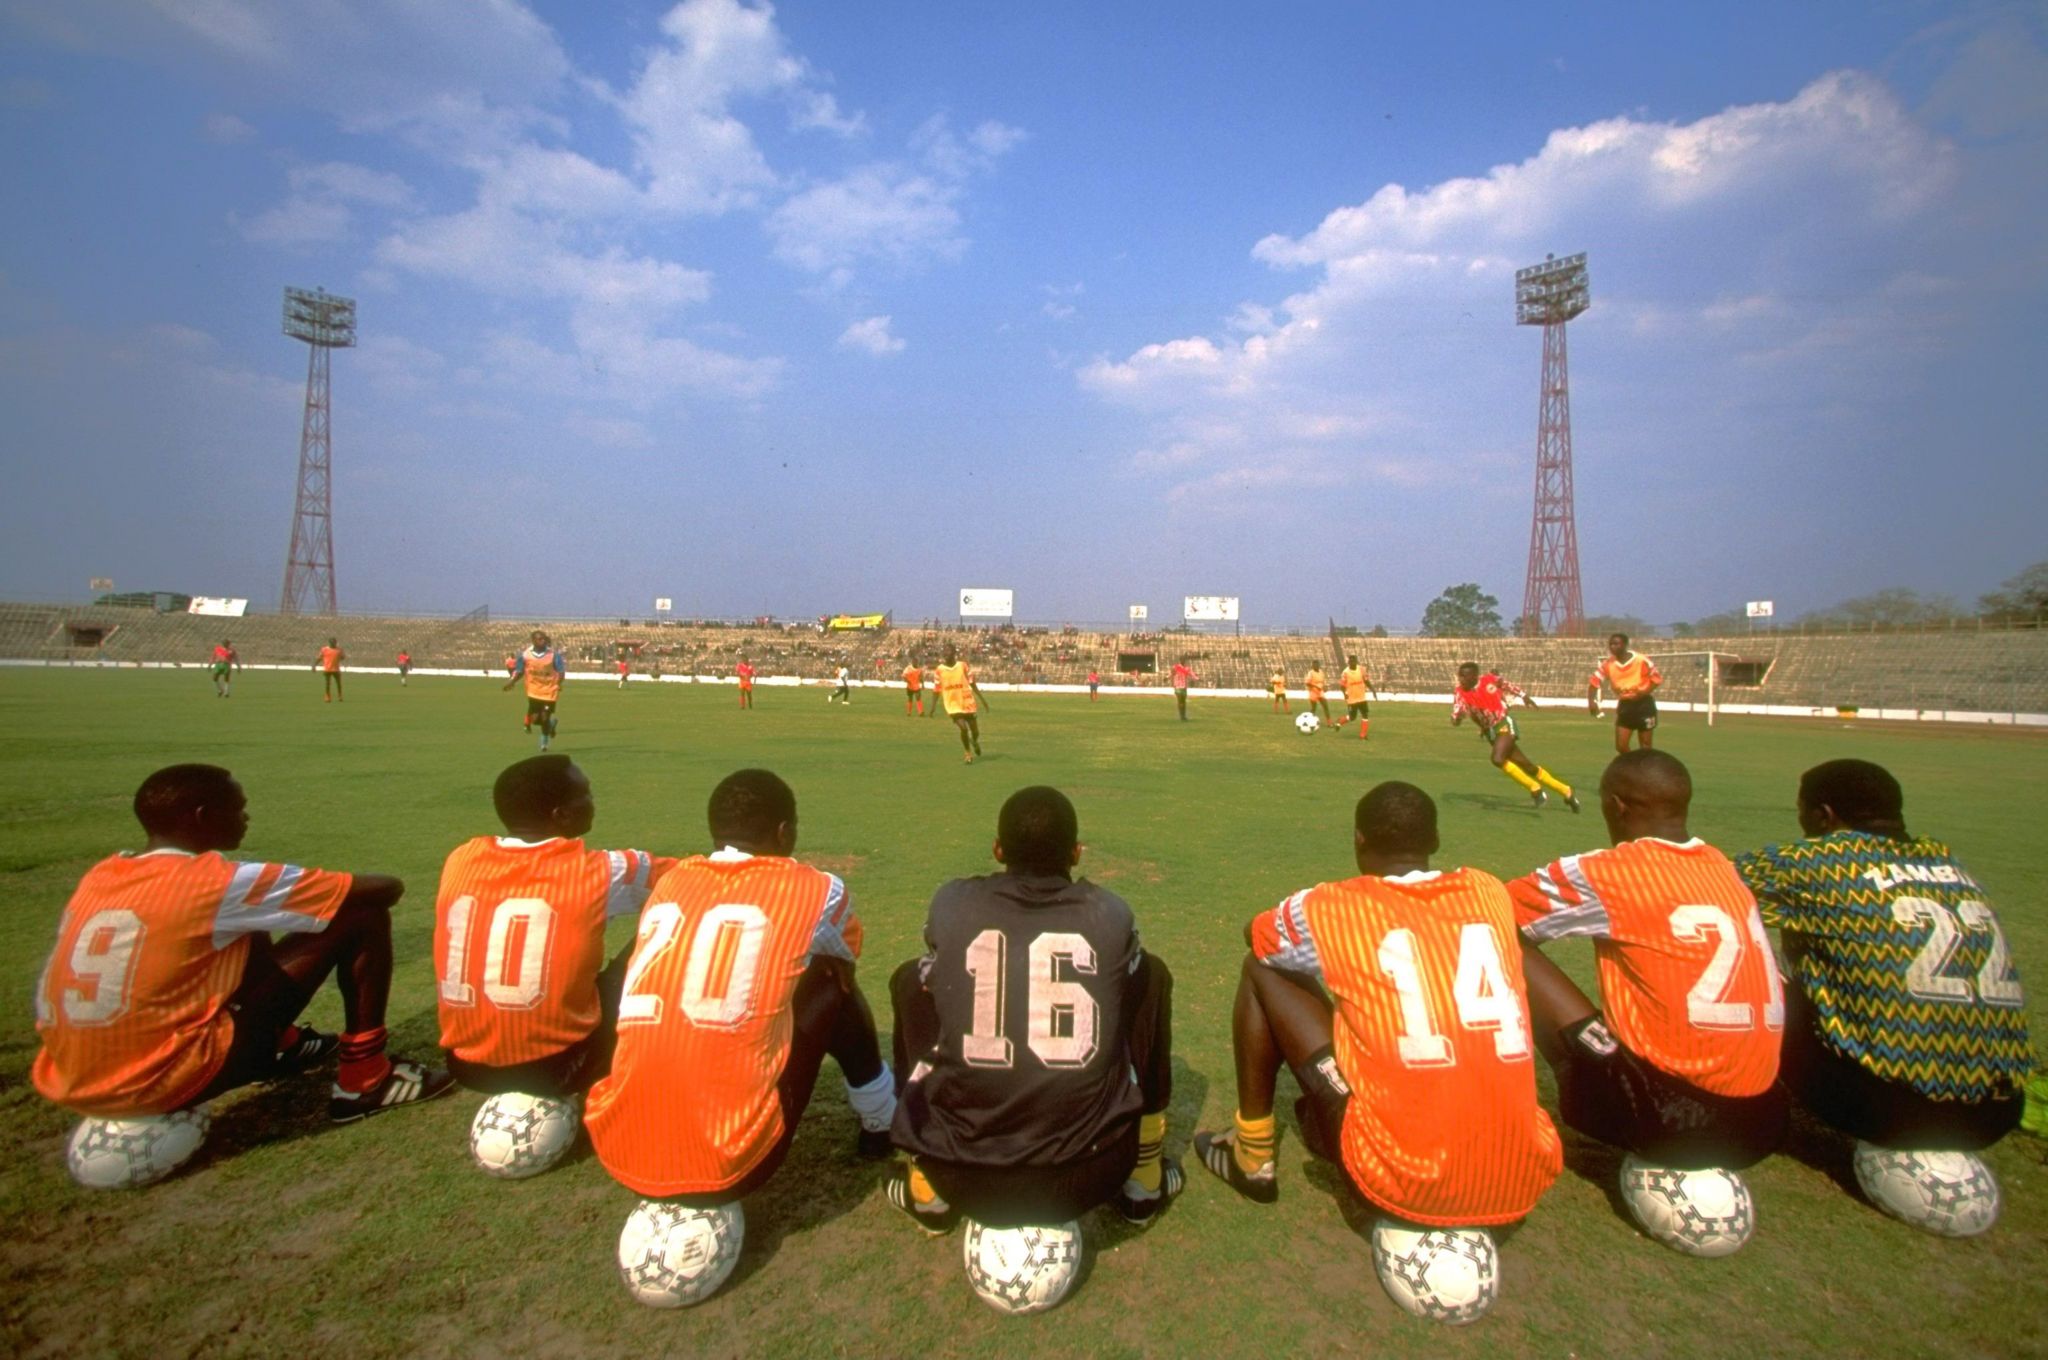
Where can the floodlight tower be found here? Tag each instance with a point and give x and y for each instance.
(1548, 295)
(324, 323)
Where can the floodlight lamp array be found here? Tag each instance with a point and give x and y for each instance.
(319, 318)
(1552, 292)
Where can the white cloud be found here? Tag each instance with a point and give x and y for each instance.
(318, 210)
(872, 337)
(225, 129)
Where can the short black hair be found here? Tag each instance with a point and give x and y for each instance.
(1468, 665)
(748, 805)
(1623, 636)
(1864, 795)
(527, 790)
(1649, 776)
(1038, 830)
(168, 798)
(1397, 817)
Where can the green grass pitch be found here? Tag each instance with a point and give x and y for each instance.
(377, 1239)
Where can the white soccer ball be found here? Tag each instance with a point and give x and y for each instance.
(675, 1257)
(1449, 1275)
(516, 1135)
(123, 1154)
(1307, 724)
(1701, 1213)
(1022, 1270)
(1953, 1194)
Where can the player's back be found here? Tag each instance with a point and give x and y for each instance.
(1030, 976)
(1433, 1036)
(1687, 978)
(705, 1020)
(519, 941)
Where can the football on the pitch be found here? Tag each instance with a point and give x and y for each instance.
(1022, 1270)
(122, 1154)
(516, 1135)
(1701, 1213)
(1307, 724)
(673, 1257)
(1953, 1194)
(1449, 1275)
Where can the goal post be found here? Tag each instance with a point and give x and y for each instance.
(1717, 666)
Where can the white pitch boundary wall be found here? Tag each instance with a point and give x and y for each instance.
(1961, 716)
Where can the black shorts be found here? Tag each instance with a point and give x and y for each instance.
(540, 708)
(1637, 715)
(264, 1004)
(1607, 1092)
(558, 1076)
(1028, 1196)
(1357, 710)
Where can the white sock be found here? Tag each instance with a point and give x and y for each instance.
(875, 1102)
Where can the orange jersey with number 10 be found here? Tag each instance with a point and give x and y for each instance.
(1432, 1036)
(132, 1004)
(690, 1105)
(519, 941)
(1687, 979)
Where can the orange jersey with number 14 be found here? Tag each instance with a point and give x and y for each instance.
(705, 1024)
(1687, 978)
(1432, 1036)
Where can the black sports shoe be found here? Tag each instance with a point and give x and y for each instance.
(873, 1145)
(936, 1221)
(1218, 1152)
(1538, 797)
(310, 1049)
(407, 1083)
(1142, 1209)
(1571, 800)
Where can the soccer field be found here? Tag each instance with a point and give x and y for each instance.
(287, 1235)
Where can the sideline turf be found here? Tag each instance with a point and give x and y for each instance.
(380, 1239)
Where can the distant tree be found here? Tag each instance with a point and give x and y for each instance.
(1462, 611)
(2025, 596)
(1379, 630)
(1886, 609)
(1600, 625)
(1526, 625)
(1725, 624)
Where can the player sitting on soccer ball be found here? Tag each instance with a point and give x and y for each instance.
(1682, 1066)
(519, 938)
(1035, 1035)
(1905, 1022)
(1417, 1065)
(740, 983)
(167, 989)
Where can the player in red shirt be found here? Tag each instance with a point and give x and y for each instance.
(225, 663)
(741, 982)
(1183, 676)
(625, 669)
(1682, 1066)
(404, 666)
(166, 987)
(1484, 698)
(745, 672)
(519, 938)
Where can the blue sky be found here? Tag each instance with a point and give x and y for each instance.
(845, 307)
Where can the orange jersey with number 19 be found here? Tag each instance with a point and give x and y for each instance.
(705, 1024)
(132, 1004)
(519, 941)
(1687, 979)
(1432, 1036)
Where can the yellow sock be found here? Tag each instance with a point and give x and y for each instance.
(1254, 1143)
(1519, 775)
(1151, 1138)
(920, 1188)
(1553, 783)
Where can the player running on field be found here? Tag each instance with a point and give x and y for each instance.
(1035, 1038)
(1634, 679)
(962, 697)
(1183, 676)
(1484, 698)
(225, 662)
(167, 989)
(625, 668)
(404, 667)
(1094, 685)
(1357, 684)
(526, 1000)
(913, 689)
(1396, 998)
(745, 672)
(844, 693)
(740, 984)
(1680, 1062)
(1905, 1021)
(329, 666)
(1278, 684)
(542, 667)
(1318, 702)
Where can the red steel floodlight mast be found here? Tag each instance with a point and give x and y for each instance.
(1549, 295)
(324, 323)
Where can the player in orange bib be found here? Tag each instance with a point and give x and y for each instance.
(741, 982)
(1356, 685)
(542, 667)
(1634, 678)
(745, 672)
(1278, 684)
(962, 697)
(1316, 684)
(1682, 1067)
(526, 1001)
(1418, 1064)
(913, 689)
(166, 987)
(329, 665)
